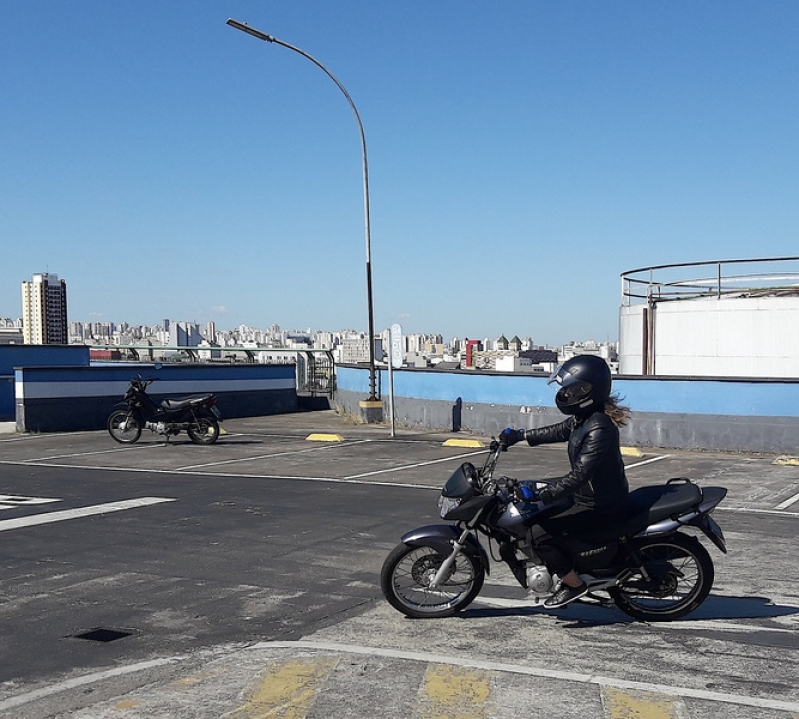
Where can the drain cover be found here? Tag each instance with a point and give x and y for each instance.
(101, 634)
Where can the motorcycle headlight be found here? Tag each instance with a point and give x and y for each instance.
(447, 504)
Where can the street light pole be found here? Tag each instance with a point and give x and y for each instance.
(367, 227)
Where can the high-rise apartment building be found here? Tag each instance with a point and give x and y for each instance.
(44, 310)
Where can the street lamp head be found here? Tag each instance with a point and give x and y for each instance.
(244, 27)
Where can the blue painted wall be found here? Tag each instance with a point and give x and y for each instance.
(739, 397)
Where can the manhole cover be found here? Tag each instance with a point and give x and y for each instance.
(104, 635)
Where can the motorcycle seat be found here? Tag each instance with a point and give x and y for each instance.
(653, 504)
(181, 403)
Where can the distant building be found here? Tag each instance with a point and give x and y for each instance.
(184, 334)
(10, 331)
(210, 332)
(44, 310)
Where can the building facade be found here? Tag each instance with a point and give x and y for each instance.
(44, 310)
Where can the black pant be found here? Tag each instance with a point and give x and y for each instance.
(577, 521)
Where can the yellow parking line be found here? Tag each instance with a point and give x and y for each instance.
(287, 690)
(455, 693)
(640, 705)
(463, 443)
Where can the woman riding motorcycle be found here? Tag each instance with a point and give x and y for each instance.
(594, 493)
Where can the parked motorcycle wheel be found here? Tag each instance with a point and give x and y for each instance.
(124, 426)
(408, 571)
(203, 429)
(681, 576)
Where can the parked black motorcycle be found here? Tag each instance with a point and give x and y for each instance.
(198, 416)
(647, 566)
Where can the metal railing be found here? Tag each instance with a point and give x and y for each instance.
(744, 278)
(315, 368)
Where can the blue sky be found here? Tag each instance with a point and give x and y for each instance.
(522, 155)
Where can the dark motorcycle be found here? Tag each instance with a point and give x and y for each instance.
(647, 567)
(197, 416)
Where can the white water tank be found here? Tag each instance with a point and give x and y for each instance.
(739, 318)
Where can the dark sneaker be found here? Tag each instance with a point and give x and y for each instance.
(566, 594)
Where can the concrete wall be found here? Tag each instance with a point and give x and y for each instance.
(742, 415)
(52, 399)
(714, 337)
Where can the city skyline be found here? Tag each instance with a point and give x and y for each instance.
(78, 331)
(164, 163)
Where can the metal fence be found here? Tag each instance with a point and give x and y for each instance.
(689, 280)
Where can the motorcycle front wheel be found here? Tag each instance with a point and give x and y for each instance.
(408, 572)
(203, 429)
(680, 578)
(124, 426)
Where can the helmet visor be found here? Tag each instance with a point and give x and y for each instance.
(562, 377)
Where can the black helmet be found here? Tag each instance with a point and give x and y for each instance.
(584, 384)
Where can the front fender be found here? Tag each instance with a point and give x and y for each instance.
(441, 537)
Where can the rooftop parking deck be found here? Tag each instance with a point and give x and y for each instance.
(237, 565)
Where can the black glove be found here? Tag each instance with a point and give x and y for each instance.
(509, 436)
(511, 487)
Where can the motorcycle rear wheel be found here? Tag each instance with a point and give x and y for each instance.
(124, 426)
(203, 429)
(407, 573)
(681, 576)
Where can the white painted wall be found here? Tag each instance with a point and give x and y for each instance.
(710, 337)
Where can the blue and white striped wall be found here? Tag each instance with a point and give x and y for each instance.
(71, 398)
(12, 356)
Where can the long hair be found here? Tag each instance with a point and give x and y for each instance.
(618, 413)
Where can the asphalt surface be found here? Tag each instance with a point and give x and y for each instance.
(241, 579)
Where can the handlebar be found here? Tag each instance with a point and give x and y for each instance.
(143, 383)
(487, 472)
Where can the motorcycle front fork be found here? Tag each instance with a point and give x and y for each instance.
(444, 570)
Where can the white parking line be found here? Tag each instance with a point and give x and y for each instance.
(709, 625)
(115, 450)
(788, 502)
(646, 461)
(416, 465)
(15, 501)
(726, 698)
(317, 448)
(28, 697)
(49, 517)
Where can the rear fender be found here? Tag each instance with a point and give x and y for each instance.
(711, 530)
(441, 537)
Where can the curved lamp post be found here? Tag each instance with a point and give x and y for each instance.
(269, 38)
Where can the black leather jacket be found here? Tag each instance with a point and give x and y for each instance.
(597, 476)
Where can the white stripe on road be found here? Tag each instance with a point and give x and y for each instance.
(51, 690)
(646, 461)
(740, 699)
(423, 657)
(242, 460)
(708, 625)
(754, 510)
(356, 479)
(414, 466)
(49, 517)
(788, 502)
